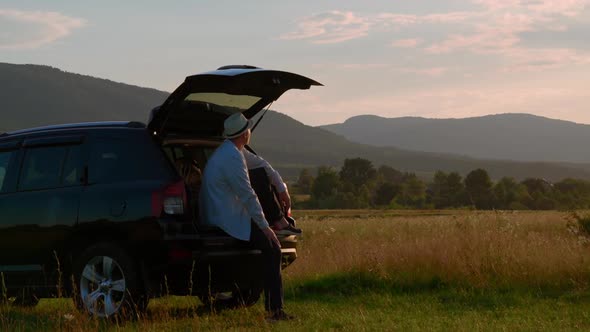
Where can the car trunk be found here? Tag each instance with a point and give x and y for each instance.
(189, 124)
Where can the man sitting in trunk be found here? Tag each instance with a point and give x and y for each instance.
(227, 200)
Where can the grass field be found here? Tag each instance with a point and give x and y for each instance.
(394, 270)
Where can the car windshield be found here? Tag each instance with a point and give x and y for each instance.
(223, 102)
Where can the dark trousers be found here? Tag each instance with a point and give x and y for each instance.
(271, 260)
(271, 254)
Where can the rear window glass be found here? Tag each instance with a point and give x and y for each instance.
(5, 158)
(229, 103)
(119, 160)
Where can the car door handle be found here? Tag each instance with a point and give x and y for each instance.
(118, 208)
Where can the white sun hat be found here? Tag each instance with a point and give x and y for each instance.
(235, 125)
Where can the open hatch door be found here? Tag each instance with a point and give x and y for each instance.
(198, 107)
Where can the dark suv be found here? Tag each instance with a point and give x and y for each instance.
(100, 211)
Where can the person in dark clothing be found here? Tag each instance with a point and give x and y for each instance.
(272, 194)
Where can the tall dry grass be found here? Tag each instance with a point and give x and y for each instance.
(407, 248)
(474, 249)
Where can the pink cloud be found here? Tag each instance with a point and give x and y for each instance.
(364, 66)
(486, 40)
(385, 67)
(431, 72)
(510, 16)
(561, 7)
(50, 26)
(499, 33)
(406, 43)
(495, 28)
(389, 19)
(530, 60)
(338, 26)
(330, 27)
(452, 17)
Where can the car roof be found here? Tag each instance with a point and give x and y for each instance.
(81, 125)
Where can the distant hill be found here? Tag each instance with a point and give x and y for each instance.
(35, 95)
(522, 137)
(292, 145)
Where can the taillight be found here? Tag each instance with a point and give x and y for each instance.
(170, 200)
(177, 254)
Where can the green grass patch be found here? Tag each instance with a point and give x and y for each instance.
(341, 302)
(392, 270)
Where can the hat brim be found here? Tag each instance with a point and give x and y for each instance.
(237, 134)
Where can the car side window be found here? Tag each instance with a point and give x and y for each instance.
(5, 157)
(72, 172)
(51, 167)
(42, 168)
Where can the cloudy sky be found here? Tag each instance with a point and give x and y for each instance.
(429, 58)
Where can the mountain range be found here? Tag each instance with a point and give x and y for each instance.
(35, 95)
(521, 137)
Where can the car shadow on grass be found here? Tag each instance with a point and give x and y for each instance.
(189, 312)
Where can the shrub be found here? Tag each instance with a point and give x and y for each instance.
(579, 224)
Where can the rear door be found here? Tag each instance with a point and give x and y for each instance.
(125, 168)
(198, 107)
(39, 202)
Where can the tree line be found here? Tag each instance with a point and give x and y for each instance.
(359, 184)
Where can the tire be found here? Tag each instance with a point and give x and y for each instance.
(240, 297)
(247, 296)
(107, 283)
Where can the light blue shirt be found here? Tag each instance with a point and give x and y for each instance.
(227, 199)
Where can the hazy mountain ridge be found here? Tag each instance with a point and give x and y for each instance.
(34, 95)
(285, 142)
(39, 95)
(511, 136)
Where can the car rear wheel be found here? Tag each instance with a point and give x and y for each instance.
(108, 283)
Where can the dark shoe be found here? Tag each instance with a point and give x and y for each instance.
(290, 220)
(280, 315)
(289, 230)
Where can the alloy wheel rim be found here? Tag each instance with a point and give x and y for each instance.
(102, 286)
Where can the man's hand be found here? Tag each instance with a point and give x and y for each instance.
(285, 200)
(272, 237)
